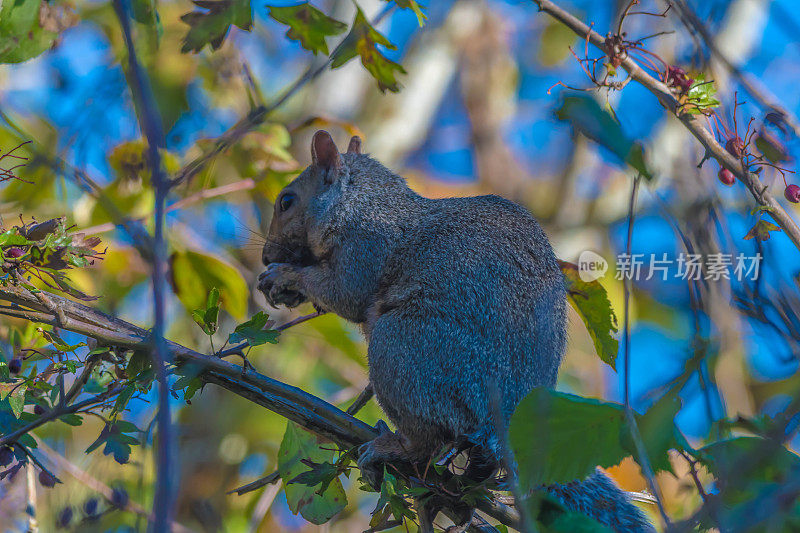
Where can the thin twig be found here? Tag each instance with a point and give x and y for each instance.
(239, 348)
(275, 476)
(150, 124)
(641, 452)
(258, 115)
(199, 196)
(53, 414)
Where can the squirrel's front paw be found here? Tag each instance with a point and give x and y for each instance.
(280, 283)
(373, 455)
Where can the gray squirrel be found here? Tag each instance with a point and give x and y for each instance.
(461, 300)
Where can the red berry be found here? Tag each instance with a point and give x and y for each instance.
(15, 365)
(726, 176)
(14, 252)
(735, 147)
(47, 479)
(6, 456)
(792, 193)
(676, 77)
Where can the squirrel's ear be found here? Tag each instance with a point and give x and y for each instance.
(325, 154)
(355, 145)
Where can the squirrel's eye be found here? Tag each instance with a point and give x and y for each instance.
(286, 201)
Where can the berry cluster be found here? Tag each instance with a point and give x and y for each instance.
(93, 509)
(770, 151)
(15, 457)
(695, 95)
(45, 250)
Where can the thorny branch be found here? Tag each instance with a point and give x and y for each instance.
(694, 24)
(694, 123)
(17, 161)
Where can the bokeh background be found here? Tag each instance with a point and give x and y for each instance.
(475, 116)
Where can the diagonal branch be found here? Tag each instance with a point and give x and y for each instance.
(295, 404)
(299, 406)
(694, 123)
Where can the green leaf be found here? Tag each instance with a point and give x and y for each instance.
(144, 12)
(126, 427)
(746, 466)
(299, 444)
(772, 148)
(123, 398)
(13, 238)
(576, 523)
(700, 96)
(138, 363)
(21, 34)
(558, 437)
(194, 274)
(554, 43)
(658, 431)
(308, 25)
(555, 518)
(591, 302)
(363, 41)
(415, 7)
(211, 26)
(587, 117)
(71, 419)
(16, 399)
(207, 317)
(28, 440)
(191, 388)
(320, 474)
(117, 443)
(253, 331)
(189, 380)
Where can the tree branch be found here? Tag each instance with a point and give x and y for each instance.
(299, 406)
(295, 404)
(694, 123)
(58, 412)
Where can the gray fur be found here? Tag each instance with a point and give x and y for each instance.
(598, 497)
(461, 300)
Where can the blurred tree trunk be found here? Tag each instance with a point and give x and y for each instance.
(489, 80)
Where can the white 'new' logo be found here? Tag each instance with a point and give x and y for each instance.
(591, 266)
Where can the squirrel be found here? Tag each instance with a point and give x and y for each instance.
(461, 301)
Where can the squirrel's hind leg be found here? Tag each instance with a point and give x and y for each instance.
(388, 447)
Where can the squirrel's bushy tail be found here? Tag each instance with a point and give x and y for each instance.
(599, 497)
